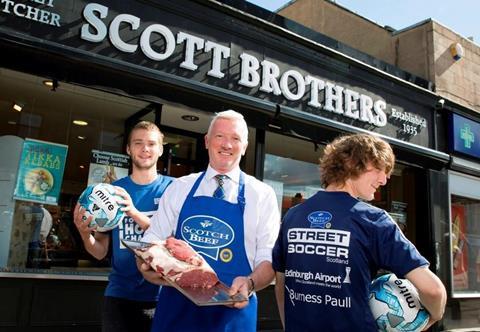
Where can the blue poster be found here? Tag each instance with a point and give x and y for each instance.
(40, 172)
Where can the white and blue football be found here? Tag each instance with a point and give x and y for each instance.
(395, 305)
(100, 201)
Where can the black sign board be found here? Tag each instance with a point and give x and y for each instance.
(221, 50)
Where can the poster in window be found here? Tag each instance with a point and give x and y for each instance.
(398, 212)
(459, 248)
(40, 171)
(107, 167)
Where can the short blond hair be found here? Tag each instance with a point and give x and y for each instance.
(146, 125)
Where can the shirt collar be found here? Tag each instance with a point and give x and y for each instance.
(234, 174)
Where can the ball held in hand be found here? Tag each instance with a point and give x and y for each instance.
(100, 202)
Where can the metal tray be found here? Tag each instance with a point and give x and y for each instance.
(216, 295)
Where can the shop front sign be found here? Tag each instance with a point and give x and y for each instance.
(30, 11)
(228, 56)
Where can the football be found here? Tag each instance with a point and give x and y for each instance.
(100, 201)
(395, 305)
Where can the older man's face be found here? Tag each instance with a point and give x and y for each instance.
(225, 145)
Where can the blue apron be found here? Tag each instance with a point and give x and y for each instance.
(213, 227)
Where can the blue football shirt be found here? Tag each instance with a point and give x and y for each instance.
(125, 281)
(329, 247)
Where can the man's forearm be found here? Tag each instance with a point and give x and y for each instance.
(96, 246)
(141, 219)
(263, 275)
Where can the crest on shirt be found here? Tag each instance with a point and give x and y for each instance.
(320, 219)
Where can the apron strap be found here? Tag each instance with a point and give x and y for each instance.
(195, 185)
(241, 192)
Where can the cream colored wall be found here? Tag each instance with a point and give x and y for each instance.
(413, 47)
(344, 26)
(459, 80)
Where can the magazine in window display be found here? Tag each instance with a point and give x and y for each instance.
(459, 248)
(40, 171)
(107, 167)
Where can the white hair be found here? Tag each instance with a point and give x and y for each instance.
(233, 116)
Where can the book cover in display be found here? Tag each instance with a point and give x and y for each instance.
(40, 172)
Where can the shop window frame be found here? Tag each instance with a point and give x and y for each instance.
(460, 184)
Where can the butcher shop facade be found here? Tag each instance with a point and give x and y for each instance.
(75, 77)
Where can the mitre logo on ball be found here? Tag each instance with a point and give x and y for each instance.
(396, 306)
(100, 201)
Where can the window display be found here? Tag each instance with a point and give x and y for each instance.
(464, 235)
(52, 147)
(465, 244)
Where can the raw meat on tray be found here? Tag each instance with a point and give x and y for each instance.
(178, 262)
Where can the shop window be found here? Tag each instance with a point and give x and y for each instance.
(51, 149)
(465, 235)
(291, 168)
(37, 233)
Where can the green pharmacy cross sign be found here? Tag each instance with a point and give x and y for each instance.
(467, 136)
(464, 134)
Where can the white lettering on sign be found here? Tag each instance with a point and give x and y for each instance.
(249, 76)
(192, 44)
(30, 12)
(411, 123)
(94, 22)
(266, 75)
(114, 30)
(219, 52)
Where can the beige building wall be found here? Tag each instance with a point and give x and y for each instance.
(423, 49)
(459, 80)
(412, 49)
(340, 24)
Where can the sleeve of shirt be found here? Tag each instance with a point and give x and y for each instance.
(267, 226)
(393, 250)
(164, 221)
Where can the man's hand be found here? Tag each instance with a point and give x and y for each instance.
(149, 274)
(240, 285)
(130, 210)
(127, 202)
(81, 222)
(97, 243)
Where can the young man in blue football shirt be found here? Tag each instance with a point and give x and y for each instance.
(130, 300)
(330, 246)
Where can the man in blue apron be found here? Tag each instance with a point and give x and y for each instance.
(229, 217)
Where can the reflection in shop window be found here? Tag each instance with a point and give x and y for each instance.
(293, 180)
(465, 240)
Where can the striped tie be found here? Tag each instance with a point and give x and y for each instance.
(220, 192)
